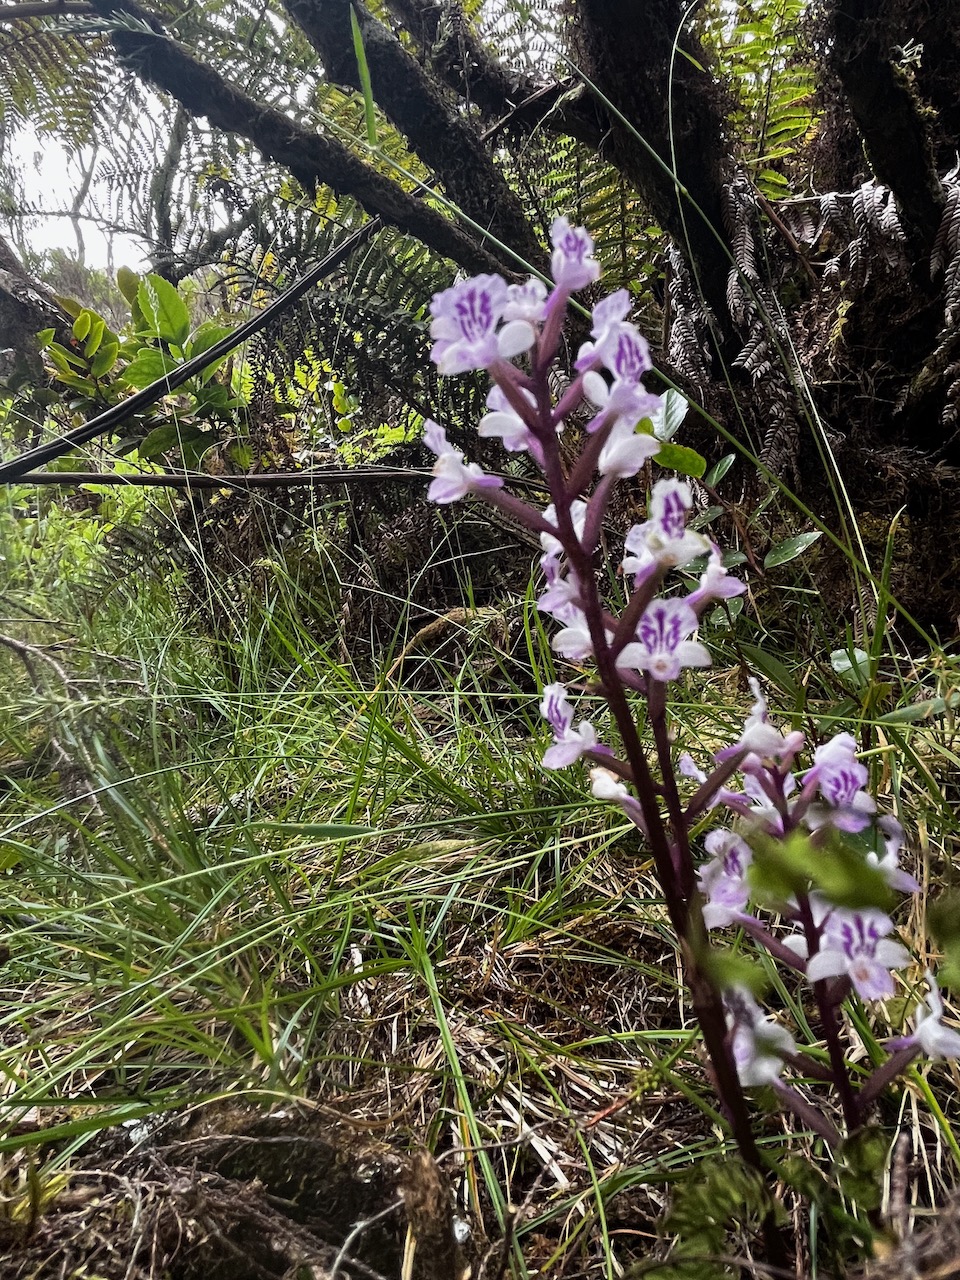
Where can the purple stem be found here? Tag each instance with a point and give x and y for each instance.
(809, 1115)
(683, 859)
(619, 767)
(685, 915)
(555, 312)
(520, 511)
(804, 1065)
(569, 400)
(775, 947)
(641, 597)
(707, 790)
(596, 510)
(582, 474)
(830, 1023)
(886, 1074)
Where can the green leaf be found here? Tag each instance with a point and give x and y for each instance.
(207, 336)
(677, 457)
(70, 305)
(726, 969)
(859, 1167)
(853, 667)
(943, 916)
(835, 866)
(64, 359)
(673, 410)
(775, 671)
(98, 328)
(369, 112)
(76, 383)
(164, 311)
(921, 710)
(716, 473)
(149, 365)
(789, 549)
(105, 359)
(193, 449)
(128, 282)
(45, 337)
(81, 326)
(171, 435)
(319, 830)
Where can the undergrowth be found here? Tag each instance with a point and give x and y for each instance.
(246, 870)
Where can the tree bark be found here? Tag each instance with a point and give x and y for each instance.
(670, 140)
(442, 137)
(26, 307)
(448, 44)
(891, 120)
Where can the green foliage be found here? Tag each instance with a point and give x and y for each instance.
(789, 549)
(944, 917)
(842, 1235)
(711, 1203)
(830, 862)
(101, 366)
(760, 51)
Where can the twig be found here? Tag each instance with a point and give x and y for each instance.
(357, 1231)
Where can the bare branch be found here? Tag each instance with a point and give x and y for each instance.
(449, 45)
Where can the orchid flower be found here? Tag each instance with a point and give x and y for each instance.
(569, 743)
(453, 478)
(723, 880)
(661, 647)
(758, 1043)
(930, 1036)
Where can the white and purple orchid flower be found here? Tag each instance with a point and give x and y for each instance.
(569, 744)
(929, 1035)
(664, 538)
(453, 478)
(465, 328)
(855, 944)
(758, 1043)
(572, 265)
(840, 777)
(486, 323)
(723, 880)
(662, 648)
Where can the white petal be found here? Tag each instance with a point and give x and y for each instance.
(938, 1041)
(693, 654)
(826, 964)
(595, 388)
(632, 656)
(892, 955)
(514, 338)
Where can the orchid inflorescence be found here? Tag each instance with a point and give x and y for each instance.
(838, 947)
